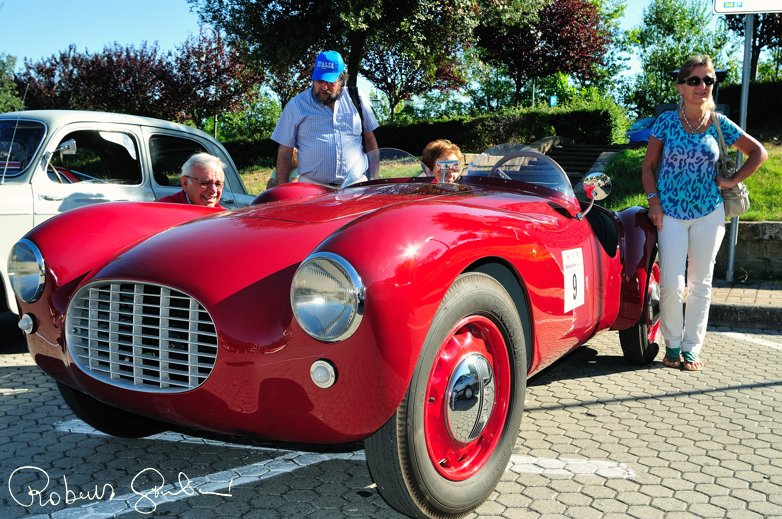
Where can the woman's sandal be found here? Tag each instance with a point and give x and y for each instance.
(671, 358)
(691, 362)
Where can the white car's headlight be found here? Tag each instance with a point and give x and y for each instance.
(26, 271)
(327, 297)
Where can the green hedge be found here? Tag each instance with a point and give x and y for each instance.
(764, 104)
(600, 125)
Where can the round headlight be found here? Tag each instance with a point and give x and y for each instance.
(26, 271)
(327, 297)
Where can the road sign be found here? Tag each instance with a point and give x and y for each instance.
(747, 6)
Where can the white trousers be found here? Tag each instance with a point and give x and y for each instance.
(688, 246)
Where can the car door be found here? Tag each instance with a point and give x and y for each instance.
(104, 166)
(168, 150)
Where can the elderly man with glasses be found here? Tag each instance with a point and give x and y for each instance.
(202, 180)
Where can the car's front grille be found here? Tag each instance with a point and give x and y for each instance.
(141, 336)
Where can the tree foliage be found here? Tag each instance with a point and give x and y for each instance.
(9, 102)
(288, 80)
(671, 32)
(203, 79)
(125, 80)
(280, 33)
(766, 33)
(394, 67)
(567, 38)
(283, 32)
(209, 78)
(605, 75)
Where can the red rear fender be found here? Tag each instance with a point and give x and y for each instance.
(639, 242)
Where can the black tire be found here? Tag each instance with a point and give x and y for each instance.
(107, 419)
(638, 341)
(476, 318)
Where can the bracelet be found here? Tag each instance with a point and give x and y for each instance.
(651, 195)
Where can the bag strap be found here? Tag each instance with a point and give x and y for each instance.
(723, 148)
(353, 92)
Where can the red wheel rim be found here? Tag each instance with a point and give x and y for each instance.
(653, 308)
(452, 459)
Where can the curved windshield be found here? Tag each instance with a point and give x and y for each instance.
(385, 163)
(523, 163)
(19, 140)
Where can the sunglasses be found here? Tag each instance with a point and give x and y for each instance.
(695, 81)
(204, 183)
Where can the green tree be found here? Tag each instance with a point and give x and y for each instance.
(766, 33)
(400, 75)
(209, 79)
(119, 79)
(569, 37)
(254, 121)
(9, 101)
(489, 88)
(605, 74)
(671, 31)
(283, 32)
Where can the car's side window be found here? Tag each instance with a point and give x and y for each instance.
(106, 157)
(168, 153)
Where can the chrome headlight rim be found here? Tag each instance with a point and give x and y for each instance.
(356, 287)
(23, 293)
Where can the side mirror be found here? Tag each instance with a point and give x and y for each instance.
(597, 186)
(67, 148)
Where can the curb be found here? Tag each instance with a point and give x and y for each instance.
(745, 316)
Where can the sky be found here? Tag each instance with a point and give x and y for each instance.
(38, 29)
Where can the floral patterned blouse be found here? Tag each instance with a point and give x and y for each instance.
(685, 184)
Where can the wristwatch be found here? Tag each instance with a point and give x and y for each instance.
(651, 195)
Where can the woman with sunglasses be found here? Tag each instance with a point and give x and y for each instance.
(686, 207)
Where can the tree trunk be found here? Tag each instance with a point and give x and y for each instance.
(357, 41)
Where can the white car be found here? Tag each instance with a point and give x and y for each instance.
(55, 160)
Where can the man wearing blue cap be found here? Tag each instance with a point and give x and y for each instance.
(323, 123)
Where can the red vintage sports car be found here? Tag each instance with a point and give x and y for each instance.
(397, 310)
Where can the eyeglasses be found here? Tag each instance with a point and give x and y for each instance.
(205, 183)
(695, 81)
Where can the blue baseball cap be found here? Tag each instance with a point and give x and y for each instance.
(328, 66)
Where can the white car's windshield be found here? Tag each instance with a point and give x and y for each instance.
(19, 140)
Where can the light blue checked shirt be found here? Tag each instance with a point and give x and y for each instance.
(329, 142)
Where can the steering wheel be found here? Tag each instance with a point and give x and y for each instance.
(497, 172)
(56, 173)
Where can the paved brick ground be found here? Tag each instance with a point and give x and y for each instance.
(599, 438)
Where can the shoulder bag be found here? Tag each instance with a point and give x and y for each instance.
(736, 198)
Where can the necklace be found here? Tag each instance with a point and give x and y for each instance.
(693, 130)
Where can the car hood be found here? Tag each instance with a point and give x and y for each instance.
(214, 257)
(351, 202)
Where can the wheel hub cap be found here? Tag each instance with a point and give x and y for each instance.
(654, 306)
(471, 396)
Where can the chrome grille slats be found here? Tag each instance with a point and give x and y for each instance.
(141, 336)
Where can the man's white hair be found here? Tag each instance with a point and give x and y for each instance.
(205, 161)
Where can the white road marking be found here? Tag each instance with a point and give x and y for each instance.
(755, 340)
(570, 467)
(8, 391)
(146, 500)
